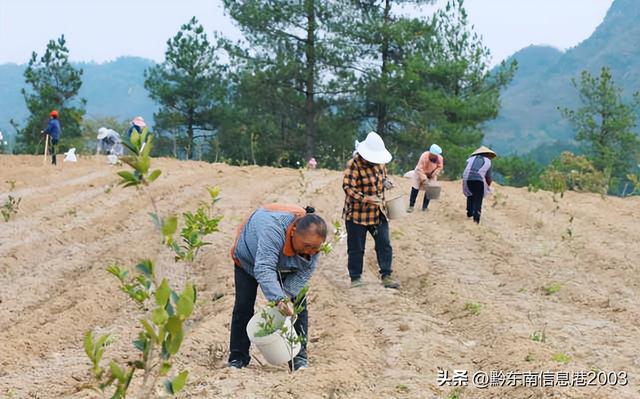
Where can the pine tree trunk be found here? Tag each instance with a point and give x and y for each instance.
(190, 136)
(382, 101)
(310, 115)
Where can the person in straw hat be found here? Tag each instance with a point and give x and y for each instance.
(428, 168)
(364, 184)
(138, 124)
(476, 180)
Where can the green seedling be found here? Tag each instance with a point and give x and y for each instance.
(401, 388)
(326, 248)
(165, 311)
(561, 358)
(196, 226)
(337, 230)
(455, 394)
(539, 336)
(552, 288)
(530, 357)
(268, 325)
(140, 145)
(473, 308)
(10, 208)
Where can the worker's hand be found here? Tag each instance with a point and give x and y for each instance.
(286, 308)
(429, 176)
(372, 199)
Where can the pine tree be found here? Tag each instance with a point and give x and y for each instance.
(605, 125)
(292, 60)
(54, 85)
(189, 86)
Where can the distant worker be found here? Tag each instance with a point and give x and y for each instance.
(109, 142)
(138, 124)
(476, 180)
(312, 164)
(426, 172)
(53, 131)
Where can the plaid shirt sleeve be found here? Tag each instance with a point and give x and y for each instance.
(350, 182)
(359, 181)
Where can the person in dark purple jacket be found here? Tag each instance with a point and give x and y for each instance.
(53, 129)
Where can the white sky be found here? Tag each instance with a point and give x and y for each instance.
(102, 30)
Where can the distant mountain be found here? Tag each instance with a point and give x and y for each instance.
(113, 88)
(529, 117)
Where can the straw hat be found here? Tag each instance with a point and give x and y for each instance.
(486, 151)
(373, 150)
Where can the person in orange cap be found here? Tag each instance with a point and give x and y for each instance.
(53, 130)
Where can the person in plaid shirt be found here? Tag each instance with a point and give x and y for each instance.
(364, 182)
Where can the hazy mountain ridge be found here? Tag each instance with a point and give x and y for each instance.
(114, 88)
(529, 116)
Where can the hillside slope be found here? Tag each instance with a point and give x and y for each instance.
(364, 343)
(529, 116)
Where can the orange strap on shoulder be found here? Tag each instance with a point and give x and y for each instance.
(295, 210)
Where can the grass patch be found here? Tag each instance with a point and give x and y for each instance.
(539, 336)
(561, 358)
(455, 394)
(473, 308)
(552, 288)
(401, 388)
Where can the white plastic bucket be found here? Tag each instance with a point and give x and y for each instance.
(275, 347)
(396, 207)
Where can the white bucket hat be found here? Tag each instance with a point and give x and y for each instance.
(435, 149)
(102, 133)
(372, 149)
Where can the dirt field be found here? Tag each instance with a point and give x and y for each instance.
(472, 297)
